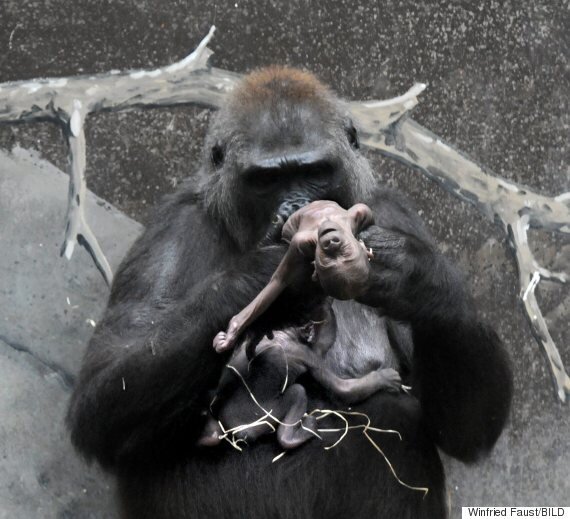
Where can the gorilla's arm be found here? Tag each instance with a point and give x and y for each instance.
(150, 363)
(460, 371)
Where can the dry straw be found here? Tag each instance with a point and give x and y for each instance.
(320, 414)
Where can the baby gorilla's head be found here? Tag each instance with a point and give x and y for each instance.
(341, 261)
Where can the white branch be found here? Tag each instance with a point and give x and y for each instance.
(69, 100)
(77, 229)
(513, 206)
(184, 82)
(529, 279)
(384, 125)
(375, 115)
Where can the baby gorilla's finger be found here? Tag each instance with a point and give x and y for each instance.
(392, 380)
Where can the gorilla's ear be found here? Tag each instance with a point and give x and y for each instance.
(352, 135)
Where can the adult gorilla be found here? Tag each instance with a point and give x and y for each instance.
(282, 141)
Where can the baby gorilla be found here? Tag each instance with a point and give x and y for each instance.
(326, 232)
(271, 377)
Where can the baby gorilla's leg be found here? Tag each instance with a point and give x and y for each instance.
(298, 428)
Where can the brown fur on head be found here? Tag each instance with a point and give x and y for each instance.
(281, 82)
(279, 113)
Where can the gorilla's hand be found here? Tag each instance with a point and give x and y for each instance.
(409, 278)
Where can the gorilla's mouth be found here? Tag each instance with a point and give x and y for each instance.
(300, 178)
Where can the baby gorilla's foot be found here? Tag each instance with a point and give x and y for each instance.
(293, 436)
(390, 380)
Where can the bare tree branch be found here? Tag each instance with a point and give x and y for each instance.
(384, 125)
(68, 101)
(77, 229)
(187, 81)
(529, 277)
(514, 207)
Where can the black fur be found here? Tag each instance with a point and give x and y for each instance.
(140, 401)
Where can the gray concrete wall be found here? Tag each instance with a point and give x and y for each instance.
(498, 84)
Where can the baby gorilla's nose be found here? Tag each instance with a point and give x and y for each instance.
(330, 243)
(329, 237)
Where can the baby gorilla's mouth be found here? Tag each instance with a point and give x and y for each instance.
(329, 239)
(325, 230)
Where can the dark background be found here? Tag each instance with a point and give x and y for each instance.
(498, 83)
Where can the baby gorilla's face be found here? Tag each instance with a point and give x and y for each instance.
(341, 261)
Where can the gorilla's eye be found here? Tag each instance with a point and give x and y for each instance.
(217, 155)
(352, 136)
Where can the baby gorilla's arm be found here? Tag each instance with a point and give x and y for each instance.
(353, 390)
(302, 246)
(349, 390)
(322, 230)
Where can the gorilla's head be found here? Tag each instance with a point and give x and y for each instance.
(282, 140)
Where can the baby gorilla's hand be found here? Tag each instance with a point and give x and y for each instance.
(224, 341)
(221, 342)
(391, 380)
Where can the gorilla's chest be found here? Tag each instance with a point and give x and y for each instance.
(361, 343)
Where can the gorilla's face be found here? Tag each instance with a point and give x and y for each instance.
(282, 141)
